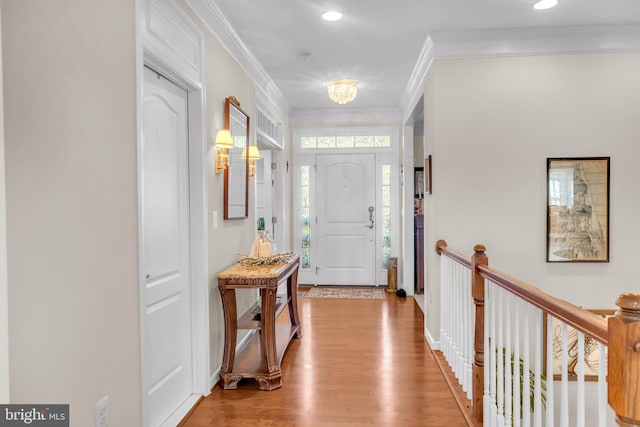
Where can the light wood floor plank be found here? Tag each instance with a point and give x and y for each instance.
(359, 363)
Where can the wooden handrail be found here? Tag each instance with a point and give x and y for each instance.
(442, 248)
(621, 333)
(582, 320)
(586, 322)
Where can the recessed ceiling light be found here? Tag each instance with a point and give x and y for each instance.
(332, 15)
(545, 4)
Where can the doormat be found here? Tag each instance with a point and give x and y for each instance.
(346, 293)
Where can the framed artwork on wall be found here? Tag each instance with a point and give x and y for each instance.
(591, 349)
(578, 209)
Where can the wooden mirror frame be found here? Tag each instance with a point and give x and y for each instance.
(236, 174)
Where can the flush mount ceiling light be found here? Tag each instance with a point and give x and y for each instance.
(545, 4)
(332, 15)
(342, 91)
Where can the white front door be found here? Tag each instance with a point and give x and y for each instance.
(346, 219)
(167, 377)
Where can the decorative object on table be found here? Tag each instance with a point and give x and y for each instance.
(578, 209)
(354, 292)
(283, 258)
(263, 246)
(591, 349)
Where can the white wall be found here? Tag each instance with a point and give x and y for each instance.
(70, 145)
(4, 301)
(491, 124)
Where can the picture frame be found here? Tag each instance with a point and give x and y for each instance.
(591, 349)
(578, 209)
(418, 182)
(427, 175)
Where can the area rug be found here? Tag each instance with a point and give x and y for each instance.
(346, 293)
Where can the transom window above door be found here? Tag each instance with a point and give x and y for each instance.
(345, 141)
(366, 139)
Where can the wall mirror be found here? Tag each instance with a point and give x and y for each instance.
(236, 175)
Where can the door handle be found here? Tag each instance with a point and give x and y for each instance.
(371, 219)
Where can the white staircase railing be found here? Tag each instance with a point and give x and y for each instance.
(526, 358)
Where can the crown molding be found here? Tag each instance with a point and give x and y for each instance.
(537, 41)
(222, 29)
(415, 85)
(341, 116)
(516, 42)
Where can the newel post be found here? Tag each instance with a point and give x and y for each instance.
(477, 292)
(624, 360)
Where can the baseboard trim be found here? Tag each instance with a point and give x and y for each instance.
(456, 389)
(183, 411)
(435, 345)
(191, 411)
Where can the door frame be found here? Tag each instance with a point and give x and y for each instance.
(383, 155)
(163, 31)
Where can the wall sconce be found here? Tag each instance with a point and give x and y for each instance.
(223, 142)
(253, 155)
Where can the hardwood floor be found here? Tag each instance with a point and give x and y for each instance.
(359, 362)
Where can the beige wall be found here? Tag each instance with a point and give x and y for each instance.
(491, 124)
(4, 302)
(224, 77)
(70, 142)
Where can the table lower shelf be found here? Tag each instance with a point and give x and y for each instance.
(250, 362)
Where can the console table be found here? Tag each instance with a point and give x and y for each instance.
(262, 356)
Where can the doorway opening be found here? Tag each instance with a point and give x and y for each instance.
(346, 212)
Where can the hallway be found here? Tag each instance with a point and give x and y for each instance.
(359, 362)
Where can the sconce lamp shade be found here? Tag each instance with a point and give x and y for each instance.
(253, 153)
(223, 139)
(223, 142)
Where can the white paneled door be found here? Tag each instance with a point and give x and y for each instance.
(346, 219)
(166, 323)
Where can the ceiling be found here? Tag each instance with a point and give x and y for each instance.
(378, 42)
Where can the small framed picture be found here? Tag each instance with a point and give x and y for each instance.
(578, 209)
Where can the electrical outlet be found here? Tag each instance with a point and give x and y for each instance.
(102, 412)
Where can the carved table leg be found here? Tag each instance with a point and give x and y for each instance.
(267, 324)
(230, 330)
(230, 381)
(292, 294)
(270, 382)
